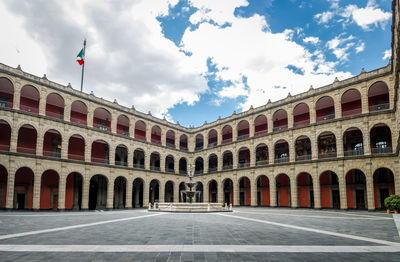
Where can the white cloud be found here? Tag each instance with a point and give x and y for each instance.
(368, 16)
(360, 47)
(247, 49)
(325, 17)
(387, 54)
(311, 39)
(128, 57)
(341, 46)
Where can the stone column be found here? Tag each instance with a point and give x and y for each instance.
(235, 159)
(220, 160)
(161, 192)
(137, 195)
(148, 133)
(89, 117)
(236, 192)
(342, 187)
(314, 145)
(111, 154)
(146, 185)
(313, 116)
(252, 156)
(366, 140)
(88, 151)
(128, 193)
(317, 192)
(130, 157)
(39, 143)
(364, 99)
(176, 165)
(64, 148)
(114, 122)
(291, 149)
(62, 183)
(176, 191)
(14, 139)
(251, 128)
(17, 96)
(42, 102)
(293, 192)
(163, 137)
(206, 197)
(110, 193)
(162, 163)
(36, 191)
(10, 188)
(338, 106)
(339, 143)
(147, 160)
(220, 192)
(205, 164)
(67, 110)
(370, 190)
(85, 192)
(290, 117)
(272, 191)
(234, 131)
(253, 190)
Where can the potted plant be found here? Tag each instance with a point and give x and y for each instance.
(392, 203)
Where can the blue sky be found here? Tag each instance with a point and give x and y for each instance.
(195, 60)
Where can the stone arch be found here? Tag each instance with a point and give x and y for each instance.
(100, 152)
(280, 120)
(212, 191)
(263, 191)
(102, 119)
(139, 158)
(260, 125)
(244, 191)
(329, 187)
(155, 161)
(356, 189)
(183, 142)
(156, 135)
(121, 155)
(170, 164)
(281, 151)
(227, 160)
(6, 92)
(182, 166)
(140, 130)
(123, 123)
(212, 163)
(243, 130)
(199, 142)
(353, 142)
(52, 142)
(325, 109)
(154, 191)
(55, 106)
(243, 157)
(137, 192)
(119, 201)
(3, 186)
(76, 147)
(305, 190)
(378, 96)
(199, 166)
(73, 191)
(29, 99)
(49, 190)
(380, 139)
(351, 102)
(384, 185)
(23, 188)
(227, 134)
(170, 139)
(228, 191)
(302, 148)
(79, 111)
(327, 145)
(27, 139)
(301, 115)
(5, 136)
(169, 191)
(283, 196)
(98, 192)
(212, 138)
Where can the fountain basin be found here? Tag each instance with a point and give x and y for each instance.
(190, 207)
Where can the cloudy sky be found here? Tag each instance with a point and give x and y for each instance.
(194, 60)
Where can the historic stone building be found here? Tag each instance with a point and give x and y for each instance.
(332, 147)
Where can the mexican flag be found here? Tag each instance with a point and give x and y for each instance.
(80, 57)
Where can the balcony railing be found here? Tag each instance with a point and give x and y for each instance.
(227, 167)
(241, 137)
(225, 141)
(381, 150)
(155, 168)
(76, 157)
(137, 165)
(301, 123)
(6, 104)
(121, 163)
(197, 148)
(100, 160)
(122, 132)
(243, 165)
(212, 169)
(325, 118)
(354, 152)
(182, 172)
(183, 148)
(55, 154)
(282, 160)
(26, 150)
(170, 170)
(261, 132)
(198, 172)
(327, 155)
(102, 127)
(78, 121)
(379, 107)
(261, 162)
(303, 157)
(168, 144)
(55, 115)
(5, 148)
(34, 110)
(278, 128)
(140, 137)
(352, 112)
(156, 141)
(211, 145)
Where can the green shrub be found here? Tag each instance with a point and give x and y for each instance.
(392, 202)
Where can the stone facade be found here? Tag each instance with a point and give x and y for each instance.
(128, 193)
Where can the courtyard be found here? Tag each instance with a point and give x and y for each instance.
(247, 234)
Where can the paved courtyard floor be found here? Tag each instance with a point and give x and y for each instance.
(247, 234)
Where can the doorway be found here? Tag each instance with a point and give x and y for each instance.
(335, 199)
(20, 201)
(383, 193)
(360, 199)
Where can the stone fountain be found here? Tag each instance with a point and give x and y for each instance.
(189, 207)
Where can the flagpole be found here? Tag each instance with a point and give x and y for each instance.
(83, 66)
